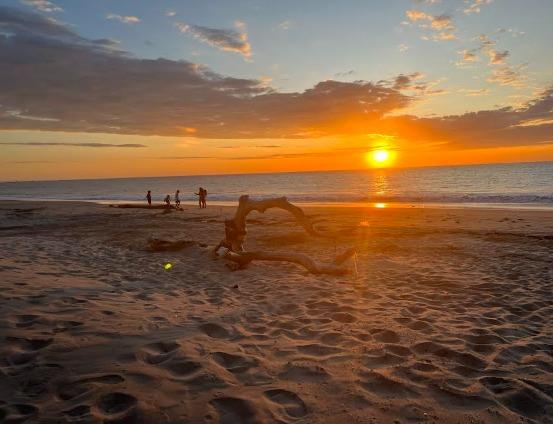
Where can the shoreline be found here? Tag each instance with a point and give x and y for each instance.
(318, 204)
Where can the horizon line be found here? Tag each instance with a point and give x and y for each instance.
(280, 172)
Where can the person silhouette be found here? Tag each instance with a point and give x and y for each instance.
(168, 201)
(200, 195)
(203, 198)
(177, 199)
(149, 198)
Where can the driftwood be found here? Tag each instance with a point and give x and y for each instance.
(232, 247)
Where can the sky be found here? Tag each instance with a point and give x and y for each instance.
(117, 88)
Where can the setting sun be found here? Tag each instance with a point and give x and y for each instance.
(379, 158)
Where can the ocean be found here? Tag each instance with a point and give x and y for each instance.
(513, 185)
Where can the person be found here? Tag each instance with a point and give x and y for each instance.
(201, 197)
(168, 201)
(177, 199)
(204, 197)
(149, 198)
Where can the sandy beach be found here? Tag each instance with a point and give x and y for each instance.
(447, 316)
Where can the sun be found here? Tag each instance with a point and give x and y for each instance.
(380, 158)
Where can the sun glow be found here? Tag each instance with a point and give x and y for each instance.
(380, 158)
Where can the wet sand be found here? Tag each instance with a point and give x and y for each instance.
(447, 317)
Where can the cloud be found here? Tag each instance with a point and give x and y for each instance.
(475, 6)
(441, 25)
(46, 64)
(33, 143)
(170, 13)
(476, 92)
(514, 33)
(501, 72)
(513, 76)
(344, 74)
(468, 57)
(20, 115)
(124, 19)
(403, 48)
(535, 122)
(284, 25)
(42, 5)
(229, 40)
(402, 82)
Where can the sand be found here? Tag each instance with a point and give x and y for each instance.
(448, 318)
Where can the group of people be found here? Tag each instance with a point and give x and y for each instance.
(202, 197)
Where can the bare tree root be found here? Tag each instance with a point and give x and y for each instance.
(232, 247)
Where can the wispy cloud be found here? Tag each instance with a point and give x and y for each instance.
(284, 25)
(441, 25)
(230, 40)
(124, 19)
(17, 114)
(501, 72)
(403, 48)
(43, 5)
(33, 143)
(514, 76)
(468, 57)
(475, 6)
(170, 13)
(344, 74)
(476, 92)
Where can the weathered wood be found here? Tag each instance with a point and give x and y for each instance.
(232, 246)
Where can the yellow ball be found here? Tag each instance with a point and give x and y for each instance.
(168, 265)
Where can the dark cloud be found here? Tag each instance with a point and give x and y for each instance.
(224, 39)
(88, 85)
(38, 143)
(53, 79)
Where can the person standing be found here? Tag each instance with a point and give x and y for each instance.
(177, 199)
(149, 198)
(204, 198)
(168, 201)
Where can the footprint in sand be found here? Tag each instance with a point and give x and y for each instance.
(17, 413)
(24, 321)
(156, 353)
(304, 372)
(78, 413)
(234, 363)
(182, 368)
(385, 387)
(385, 336)
(116, 403)
(343, 317)
(528, 400)
(30, 344)
(215, 331)
(78, 388)
(291, 402)
(236, 411)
